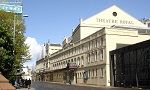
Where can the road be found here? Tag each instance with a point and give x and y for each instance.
(55, 86)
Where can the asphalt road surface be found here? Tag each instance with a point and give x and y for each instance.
(56, 86)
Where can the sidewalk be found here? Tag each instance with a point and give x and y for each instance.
(25, 89)
(86, 85)
(89, 85)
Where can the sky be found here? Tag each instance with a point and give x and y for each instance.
(54, 19)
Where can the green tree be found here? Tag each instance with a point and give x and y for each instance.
(13, 50)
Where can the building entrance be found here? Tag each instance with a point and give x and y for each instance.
(70, 73)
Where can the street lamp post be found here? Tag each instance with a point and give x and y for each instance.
(14, 28)
(14, 31)
(14, 21)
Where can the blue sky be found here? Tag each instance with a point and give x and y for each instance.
(54, 19)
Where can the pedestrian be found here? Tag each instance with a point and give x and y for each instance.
(16, 84)
(23, 82)
(26, 83)
(69, 81)
(29, 83)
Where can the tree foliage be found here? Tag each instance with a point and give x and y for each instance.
(13, 50)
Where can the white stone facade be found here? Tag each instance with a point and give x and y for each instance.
(47, 50)
(91, 42)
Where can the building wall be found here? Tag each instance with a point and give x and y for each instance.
(53, 49)
(58, 76)
(92, 40)
(39, 66)
(39, 69)
(120, 36)
(76, 35)
(87, 30)
(87, 53)
(91, 54)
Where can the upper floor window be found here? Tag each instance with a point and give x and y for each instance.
(96, 42)
(82, 47)
(101, 54)
(89, 46)
(71, 60)
(89, 57)
(89, 74)
(93, 73)
(96, 56)
(102, 41)
(101, 72)
(96, 72)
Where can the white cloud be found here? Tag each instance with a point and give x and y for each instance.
(34, 49)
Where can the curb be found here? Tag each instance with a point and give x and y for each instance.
(88, 85)
(84, 85)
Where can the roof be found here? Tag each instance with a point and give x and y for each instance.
(55, 44)
(113, 16)
(129, 48)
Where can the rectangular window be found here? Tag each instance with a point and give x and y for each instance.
(79, 50)
(101, 72)
(96, 56)
(93, 73)
(86, 46)
(89, 74)
(72, 51)
(92, 44)
(101, 54)
(92, 57)
(102, 41)
(75, 50)
(89, 46)
(71, 60)
(69, 52)
(82, 60)
(89, 57)
(82, 48)
(96, 72)
(80, 75)
(96, 42)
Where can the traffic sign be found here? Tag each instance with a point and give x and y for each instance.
(11, 8)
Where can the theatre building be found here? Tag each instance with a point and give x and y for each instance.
(84, 57)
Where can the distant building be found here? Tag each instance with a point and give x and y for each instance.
(146, 21)
(84, 58)
(52, 48)
(47, 50)
(27, 73)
